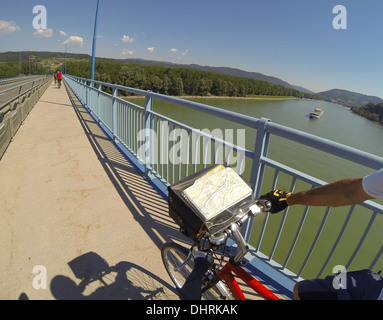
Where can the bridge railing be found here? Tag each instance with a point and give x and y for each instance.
(15, 109)
(301, 242)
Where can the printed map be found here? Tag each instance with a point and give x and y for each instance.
(216, 191)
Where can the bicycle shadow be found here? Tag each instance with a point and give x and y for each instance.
(99, 281)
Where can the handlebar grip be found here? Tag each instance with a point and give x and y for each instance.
(191, 290)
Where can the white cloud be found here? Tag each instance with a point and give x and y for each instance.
(127, 39)
(43, 33)
(185, 53)
(151, 49)
(63, 33)
(173, 50)
(74, 42)
(7, 27)
(127, 52)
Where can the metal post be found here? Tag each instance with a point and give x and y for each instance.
(148, 123)
(97, 110)
(260, 150)
(94, 42)
(114, 112)
(257, 170)
(66, 51)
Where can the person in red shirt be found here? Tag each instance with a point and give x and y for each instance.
(59, 78)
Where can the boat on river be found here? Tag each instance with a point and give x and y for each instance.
(316, 114)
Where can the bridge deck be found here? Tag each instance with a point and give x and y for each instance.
(71, 204)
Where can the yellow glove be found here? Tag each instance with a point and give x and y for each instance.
(278, 199)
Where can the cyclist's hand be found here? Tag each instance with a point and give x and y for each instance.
(278, 200)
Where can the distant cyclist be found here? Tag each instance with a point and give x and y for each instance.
(360, 285)
(59, 78)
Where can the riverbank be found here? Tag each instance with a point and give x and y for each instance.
(238, 98)
(275, 98)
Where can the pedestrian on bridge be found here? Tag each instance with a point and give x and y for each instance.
(59, 78)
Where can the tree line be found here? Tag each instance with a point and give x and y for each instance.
(175, 81)
(13, 69)
(370, 111)
(179, 81)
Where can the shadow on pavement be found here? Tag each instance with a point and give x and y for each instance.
(99, 281)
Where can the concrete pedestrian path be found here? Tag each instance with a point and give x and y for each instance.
(76, 219)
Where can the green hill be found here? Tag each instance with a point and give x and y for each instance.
(160, 75)
(348, 98)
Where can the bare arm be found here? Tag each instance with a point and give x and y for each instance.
(340, 193)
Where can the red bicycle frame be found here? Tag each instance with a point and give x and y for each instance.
(226, 274)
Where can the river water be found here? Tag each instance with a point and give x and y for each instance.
(337, 124)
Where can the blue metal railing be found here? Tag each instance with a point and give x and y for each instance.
(167, 150)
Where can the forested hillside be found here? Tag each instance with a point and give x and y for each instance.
(370, 111)
(179, 81)
(159, 77)
(348, 98)
(12, 69)
(170, 78)
(13, 64)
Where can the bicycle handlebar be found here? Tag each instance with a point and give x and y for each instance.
(191, 290)
(261, 205)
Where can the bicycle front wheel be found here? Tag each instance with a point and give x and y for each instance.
(178, 263)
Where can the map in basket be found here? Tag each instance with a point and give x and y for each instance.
(216, 191)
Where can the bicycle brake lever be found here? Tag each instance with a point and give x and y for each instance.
(260, 206)
(264, 204)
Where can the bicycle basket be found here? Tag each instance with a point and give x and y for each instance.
(208, 200)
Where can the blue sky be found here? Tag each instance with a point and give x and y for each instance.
(293, 40)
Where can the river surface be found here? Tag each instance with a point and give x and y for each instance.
(337, 124)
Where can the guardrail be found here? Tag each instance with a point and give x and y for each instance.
(286, 247)
(16, 79)
(15, 109)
